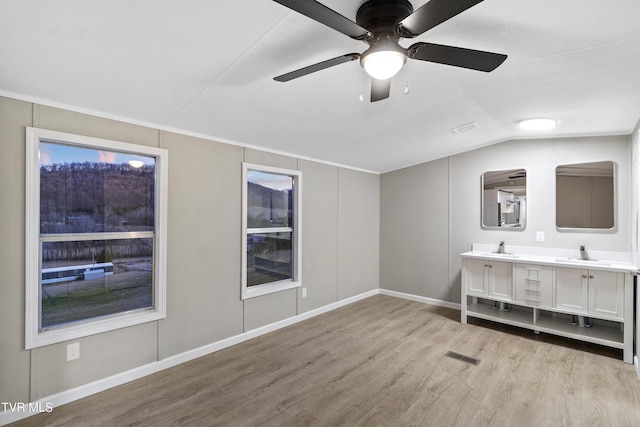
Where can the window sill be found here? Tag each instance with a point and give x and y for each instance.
(79, 330)
(268, 288)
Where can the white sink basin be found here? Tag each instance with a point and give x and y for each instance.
(581, 261)
(505, 255)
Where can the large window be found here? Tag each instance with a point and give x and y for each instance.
(271, 229)
(96, 224)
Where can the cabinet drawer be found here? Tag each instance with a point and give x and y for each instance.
(534, 285)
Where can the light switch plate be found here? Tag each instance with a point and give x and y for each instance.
(539, 236)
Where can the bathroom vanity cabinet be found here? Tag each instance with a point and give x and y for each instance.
(552, 293)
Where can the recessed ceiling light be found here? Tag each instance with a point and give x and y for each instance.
(539, 123)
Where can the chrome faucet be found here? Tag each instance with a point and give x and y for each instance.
(501, 248)
(583, 253)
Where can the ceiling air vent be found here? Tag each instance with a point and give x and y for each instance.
(464, 128)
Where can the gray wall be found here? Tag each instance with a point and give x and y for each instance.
(430, 213)
(340, 235)
(414, 236)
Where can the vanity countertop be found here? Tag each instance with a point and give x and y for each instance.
(599, 260)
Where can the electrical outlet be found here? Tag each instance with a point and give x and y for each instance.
(304, 292)
(540, 236)
(73, 351)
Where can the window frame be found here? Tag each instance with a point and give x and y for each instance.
(296, 238)
(34, 337)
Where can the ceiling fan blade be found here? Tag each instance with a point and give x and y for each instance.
(433, 13)
(329, 17)
(380, 89)
(317, 67)
(457, 56)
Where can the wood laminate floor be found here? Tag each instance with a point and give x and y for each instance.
(377, 362)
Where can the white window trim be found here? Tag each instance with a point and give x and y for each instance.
(35, 338)
(268, 288)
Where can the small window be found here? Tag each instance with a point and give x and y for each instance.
(271, 229)
(96, 223)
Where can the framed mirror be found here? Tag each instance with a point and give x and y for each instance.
(504, 199)
(585, 196)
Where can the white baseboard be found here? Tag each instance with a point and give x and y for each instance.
(67, 396)
(418, 298)
(637, 365)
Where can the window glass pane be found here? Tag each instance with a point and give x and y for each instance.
(87, 279)
(86, 190)
(269, 200)
(269, 258)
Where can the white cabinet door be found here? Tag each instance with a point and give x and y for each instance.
(572, 289)
(606, 294)
(491, 279)
(475, 276)
(500, 280)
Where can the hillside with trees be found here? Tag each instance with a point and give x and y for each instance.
(95, 198)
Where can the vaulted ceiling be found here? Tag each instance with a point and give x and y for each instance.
(206, 67)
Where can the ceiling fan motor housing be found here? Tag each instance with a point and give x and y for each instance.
(382, 16)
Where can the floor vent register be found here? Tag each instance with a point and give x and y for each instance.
(462, 357)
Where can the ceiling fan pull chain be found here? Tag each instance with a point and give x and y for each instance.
(406, 87)
(361, 98)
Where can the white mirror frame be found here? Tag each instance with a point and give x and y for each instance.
(612, 229)
(507, 173)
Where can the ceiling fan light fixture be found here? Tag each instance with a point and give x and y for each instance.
(383, 64)
(539, 123)
(384, 58)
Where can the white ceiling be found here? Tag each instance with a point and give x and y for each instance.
(206, 67)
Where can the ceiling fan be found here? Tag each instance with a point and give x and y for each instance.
(381, 24)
